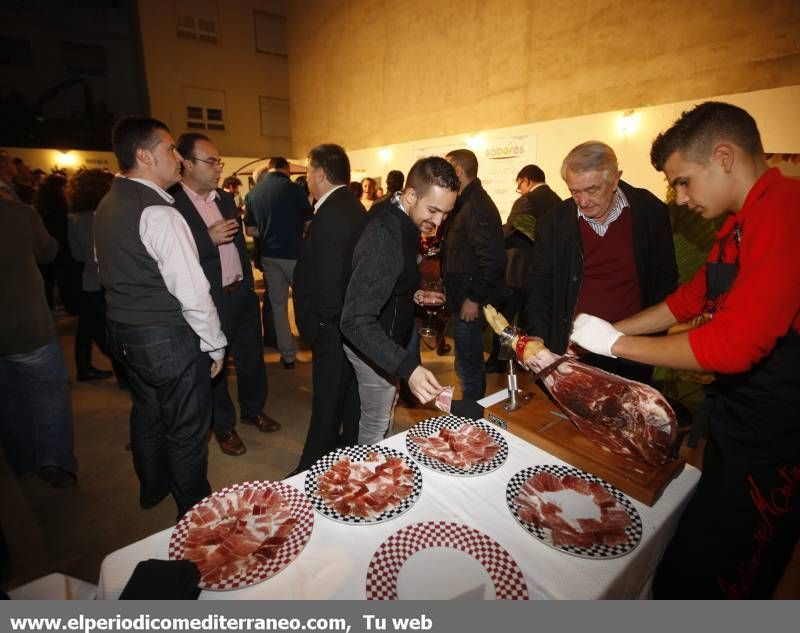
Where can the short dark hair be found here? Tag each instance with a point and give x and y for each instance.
(129, 134)
(231, 181)
(394, 181)
(302, 182)
(278, 162)
(533, 173)
(467, 160)
(86, 188)
(334, 162)
(356, 188)
(186, 142)
(429, 172)
(698, 130)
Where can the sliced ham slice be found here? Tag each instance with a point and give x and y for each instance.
(533, 506)
(365, 489)
(444, 400)
(227, 532)
(461, 448)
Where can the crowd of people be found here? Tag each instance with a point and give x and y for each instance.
(166, 289)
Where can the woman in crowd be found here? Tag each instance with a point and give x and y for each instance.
(64, 272)
(369, 188)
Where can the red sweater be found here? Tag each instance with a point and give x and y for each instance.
(610, 286)
(763, 304)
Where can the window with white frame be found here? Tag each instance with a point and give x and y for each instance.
(198, 20)
(205, 108)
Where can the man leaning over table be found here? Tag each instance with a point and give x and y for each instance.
(212, 217)
(162, 322)
(739, 531)
(378, 312)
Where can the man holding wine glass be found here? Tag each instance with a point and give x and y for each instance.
(378, 313)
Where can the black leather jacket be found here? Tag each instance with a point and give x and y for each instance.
(473, 252)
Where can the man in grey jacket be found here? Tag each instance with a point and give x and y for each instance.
(378, 313)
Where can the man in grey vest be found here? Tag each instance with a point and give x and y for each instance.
(162, 322)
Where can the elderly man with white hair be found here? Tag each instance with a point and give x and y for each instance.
(607, 251)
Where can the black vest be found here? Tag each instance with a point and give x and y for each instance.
(135, 290)
(207, 251)
(753, 415)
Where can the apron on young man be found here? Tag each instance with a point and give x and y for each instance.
(740, 528)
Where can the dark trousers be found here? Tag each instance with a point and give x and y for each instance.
(171, 391)
(241, 323)
(468, 338)
(92, 328)
(35, 418)
(335, 404)
(737, 534)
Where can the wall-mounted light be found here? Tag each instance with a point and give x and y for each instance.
(385, 154)
(66, 159)
(627, 123)
(476, 143)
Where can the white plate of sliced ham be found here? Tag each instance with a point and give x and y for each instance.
(363, 484)
(457, 446)
(243, 534)
(574, 511)
(439, 560)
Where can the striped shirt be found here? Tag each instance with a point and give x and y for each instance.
(617, 205)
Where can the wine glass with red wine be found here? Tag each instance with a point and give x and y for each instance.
(429, 328)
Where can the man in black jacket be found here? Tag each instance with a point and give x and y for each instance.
(378, 312)
(320, 280)
(212, 217)
(535, 199)
(606, 251)
(473, 267)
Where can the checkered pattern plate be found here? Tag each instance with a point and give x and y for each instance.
(384, 568)
(432, 426)
(253, 571)
(359, 454)
(598, 550)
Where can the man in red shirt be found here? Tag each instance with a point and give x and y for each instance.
(740, 529)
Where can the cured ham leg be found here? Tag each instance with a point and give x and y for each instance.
(620, 415)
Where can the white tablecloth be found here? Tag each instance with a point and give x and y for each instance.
(334, 563)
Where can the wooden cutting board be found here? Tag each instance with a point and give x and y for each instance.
(539, 422)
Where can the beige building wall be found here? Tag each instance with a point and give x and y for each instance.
(232, 72)
(366, 73)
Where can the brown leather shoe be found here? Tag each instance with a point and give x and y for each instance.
(230, 443)
(263, 423)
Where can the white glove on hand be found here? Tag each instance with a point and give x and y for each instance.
(594, 334)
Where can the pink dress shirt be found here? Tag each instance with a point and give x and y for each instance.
(228, 253)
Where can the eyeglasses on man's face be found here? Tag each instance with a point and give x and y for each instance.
(211, 162)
